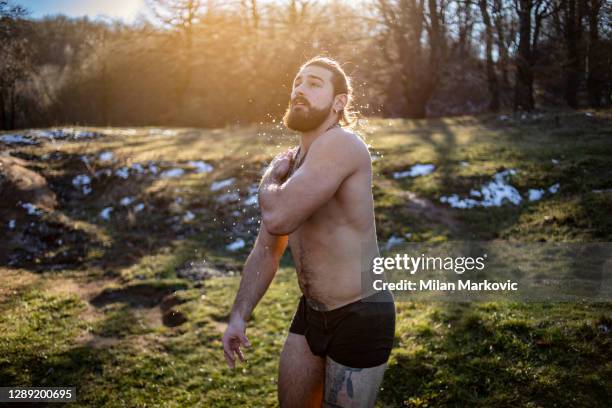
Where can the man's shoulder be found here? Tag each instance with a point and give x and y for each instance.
(343, 141)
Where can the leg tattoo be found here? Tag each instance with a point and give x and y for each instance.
(335, 382)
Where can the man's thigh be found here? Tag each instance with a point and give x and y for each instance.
(301, 374)
(351, 387)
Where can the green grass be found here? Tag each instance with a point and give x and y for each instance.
(118, 353)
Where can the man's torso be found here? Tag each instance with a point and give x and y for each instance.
(331, 247)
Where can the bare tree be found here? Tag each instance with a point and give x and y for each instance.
(180, 16)
(595, 56)
(15, 61)
(531, 13)
(505, 29)
(573, 12)
(413, 29)
(494, 102)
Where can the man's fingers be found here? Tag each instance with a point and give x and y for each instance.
(239, 352)
(245, 341)
(230, 360)
(228, 353)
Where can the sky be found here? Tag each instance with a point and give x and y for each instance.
(126, 10)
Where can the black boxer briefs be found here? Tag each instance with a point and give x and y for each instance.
(359, 334)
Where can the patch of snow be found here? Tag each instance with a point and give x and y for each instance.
(493, 194)
(393, 241)
(153, 169)
(253, 188)
(121, 132)
(77, 134)
(188, 216)
(31, 209)
(105, 213)
(137, 167)
(82, 181)
(62, 134)
(106, 156)
(554, 161)
(228, 198)
(125, 201)
(251, 200)
(589, 114)
(123, 172)
(416, 170)
(85, 159)
(218, 185)
(139, 207)
(11, 224)
(535, 194)
(106, 172)
(162, 132)
(16, 139)
(172, 173)
(456, 202)
(554, 188)
(46, 134)
(200, 166)
(236, 245)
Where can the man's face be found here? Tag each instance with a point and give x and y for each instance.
(311, 99)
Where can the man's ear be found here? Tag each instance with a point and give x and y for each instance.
(340, 102)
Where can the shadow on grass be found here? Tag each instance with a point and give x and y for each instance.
(492, 356)
(144, 295)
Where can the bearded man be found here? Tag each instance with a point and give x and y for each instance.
(317, 199)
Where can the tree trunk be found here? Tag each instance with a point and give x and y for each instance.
(490, 68)
(523, 90)
(573, 32)
(3, 124)
(12, 104)
(595, 72)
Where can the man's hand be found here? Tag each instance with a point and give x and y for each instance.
(280, 166)
(234, 336)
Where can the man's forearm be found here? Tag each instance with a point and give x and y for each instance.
(271, 205)
(258, 272)
(269, 190)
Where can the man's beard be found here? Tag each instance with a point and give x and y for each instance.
(306, 118)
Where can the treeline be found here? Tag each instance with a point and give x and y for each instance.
(207, 63)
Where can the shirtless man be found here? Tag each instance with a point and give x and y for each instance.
(317, 199)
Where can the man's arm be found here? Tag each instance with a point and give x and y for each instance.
(332, 158)
(259, 270)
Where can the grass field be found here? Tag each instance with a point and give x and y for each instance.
(104, 304)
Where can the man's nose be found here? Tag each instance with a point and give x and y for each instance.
(298, 90)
